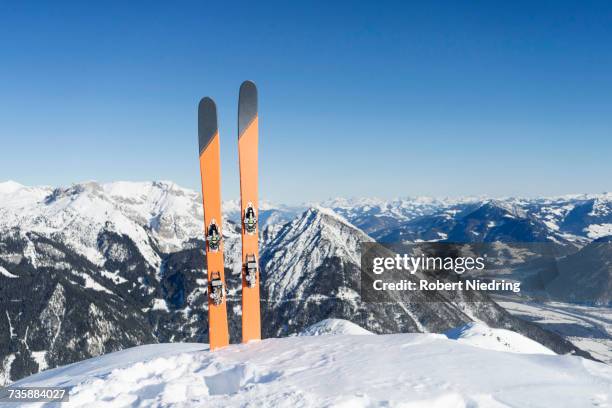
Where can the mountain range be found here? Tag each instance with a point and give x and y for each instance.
(94, 268)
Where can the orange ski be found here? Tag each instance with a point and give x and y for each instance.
(210, 171)
(248, 135)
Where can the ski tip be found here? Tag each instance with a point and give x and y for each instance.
(247, 105)
(207, 122)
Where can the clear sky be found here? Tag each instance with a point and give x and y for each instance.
(379, 99)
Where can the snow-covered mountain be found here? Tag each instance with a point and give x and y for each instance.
(91, 269)
(95, 268)
(303, 246)
(162, 212)
(339, 370)
(569, 218)
(311, 271)
(372, 214)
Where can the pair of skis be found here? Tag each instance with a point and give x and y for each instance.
(210, 171)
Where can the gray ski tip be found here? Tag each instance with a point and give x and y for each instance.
(207, 122)
(247, 105)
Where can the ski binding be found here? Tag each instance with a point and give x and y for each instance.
(250, 271)
(250, 219)
(214, 237)
(216, 288)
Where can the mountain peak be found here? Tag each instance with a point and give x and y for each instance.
(10, 186)
(324, 220)
(305, 244)
(328, 212)
(506, 206)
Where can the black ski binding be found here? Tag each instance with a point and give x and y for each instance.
(250, 271)
(216, 288)
(250, 219)
(214, 237)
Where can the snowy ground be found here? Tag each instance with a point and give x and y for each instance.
(589, 328)
(339, 370)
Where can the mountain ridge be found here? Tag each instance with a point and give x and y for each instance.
(127, 257)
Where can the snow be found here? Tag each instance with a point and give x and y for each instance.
(595, 231)
(10, 187)
(403, 370)
(479, 335)
(551, 225)
(10, 323)
(114, 276)
(142, 211)
(330, 213)
(6, 273)
(77, 214)
(40, 358)
(160, 304)
(90, 283)
(403, 209)
(588, 327)
(5, 373)
(14, 195)
(305, 243)
(333, 327)
(601, 206)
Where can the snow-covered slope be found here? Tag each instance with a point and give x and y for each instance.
(371, 214)
(304, 245)
(404, 370)
(479, 335)
(157, 216)
(590, 328)
(15, 195)
(333, 326)
(76, 215)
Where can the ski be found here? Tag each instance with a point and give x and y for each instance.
(248, 135)
(210, 172)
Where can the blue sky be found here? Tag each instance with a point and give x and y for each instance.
(380, 99)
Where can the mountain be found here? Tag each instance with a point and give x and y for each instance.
(311, 271)
(591, 217)
(110, 266)
(487, 221)
(59, 306)
(498, 221)
(98, 267)
(432, 227)
(424, 370)
(524, 239)
(157, 214)
(575, 219)
(586, 276)
(371, 214)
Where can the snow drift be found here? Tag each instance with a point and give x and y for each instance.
(333, 326)
(402, 370)
(479, 335)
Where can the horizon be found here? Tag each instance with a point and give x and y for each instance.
(574, 195)
(429, 99)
